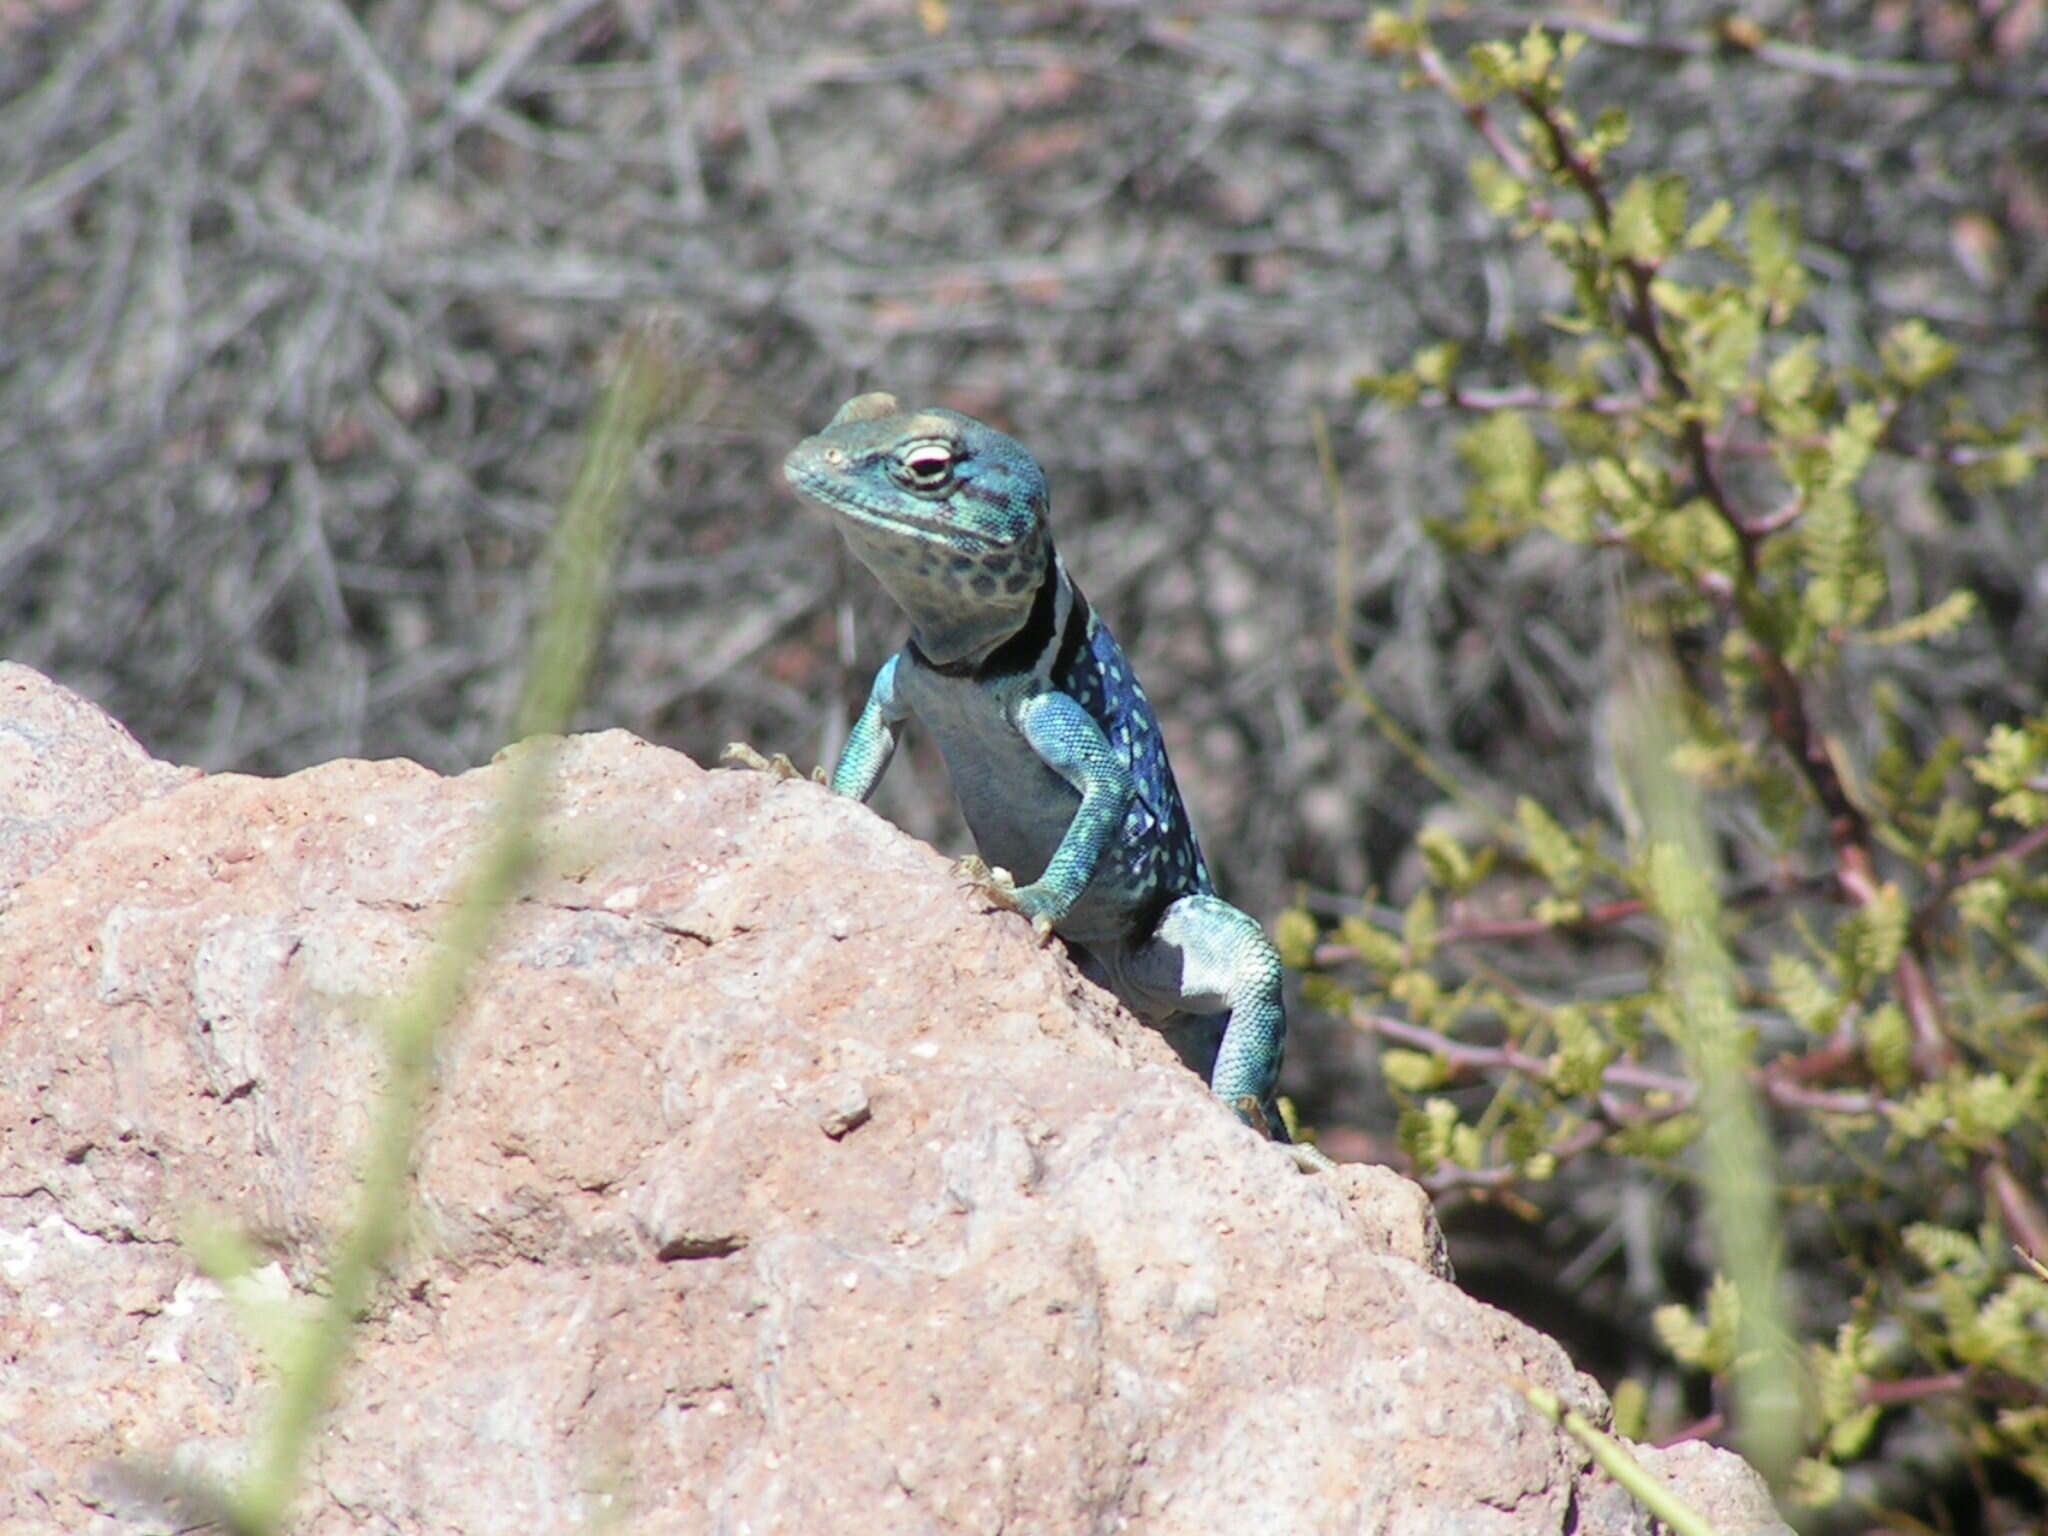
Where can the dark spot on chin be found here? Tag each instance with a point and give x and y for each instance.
(984, 584)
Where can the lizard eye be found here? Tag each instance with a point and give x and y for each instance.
(927, 467)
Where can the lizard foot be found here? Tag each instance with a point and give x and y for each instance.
(1309, 1160)
(1254, 1114)
(740, 755)
(1000, 887)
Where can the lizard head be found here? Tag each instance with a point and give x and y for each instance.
(948, 514)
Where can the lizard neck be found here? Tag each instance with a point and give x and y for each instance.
(961, 610)
(1044, 644)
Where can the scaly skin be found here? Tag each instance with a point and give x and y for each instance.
(1053, 750)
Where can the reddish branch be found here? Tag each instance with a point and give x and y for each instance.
(1782, 1083)
(1431, 63)
(2018, 851)
(1448, 1177)
(2022, 1215)
(1886, 1394)
(1529, 398)
(1601, 915)
(1495, 930)
(1702, 1429)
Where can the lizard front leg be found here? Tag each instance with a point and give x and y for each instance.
(1067, 739)
(872, 741)
(866, 754)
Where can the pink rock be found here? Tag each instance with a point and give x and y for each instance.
(771, 1183)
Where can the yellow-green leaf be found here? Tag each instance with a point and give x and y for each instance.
(1711, 225)
(1550, 848)
(1915, 355)
(1435, 365)
(1888, 1046)
(1945, 617)
(1375, 947)
(1413, 1071)
(1774, 270)
(1294, 935)
(1418, 924)
(1810, 1002)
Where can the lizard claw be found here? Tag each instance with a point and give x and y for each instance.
(1000, 887)
(740, 755)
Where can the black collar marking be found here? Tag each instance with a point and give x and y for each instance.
(1074, 636)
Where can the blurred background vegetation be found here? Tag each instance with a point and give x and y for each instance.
(304, 304)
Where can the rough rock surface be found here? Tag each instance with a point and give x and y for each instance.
(772, 1184)
(65, 767)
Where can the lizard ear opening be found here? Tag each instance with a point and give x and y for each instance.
(865, 408)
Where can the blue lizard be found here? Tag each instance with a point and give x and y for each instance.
(1054, 753)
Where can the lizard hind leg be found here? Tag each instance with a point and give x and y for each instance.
(1207, 958)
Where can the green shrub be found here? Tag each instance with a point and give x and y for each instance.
(1842, 924)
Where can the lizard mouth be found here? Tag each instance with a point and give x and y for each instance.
(938, 527)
